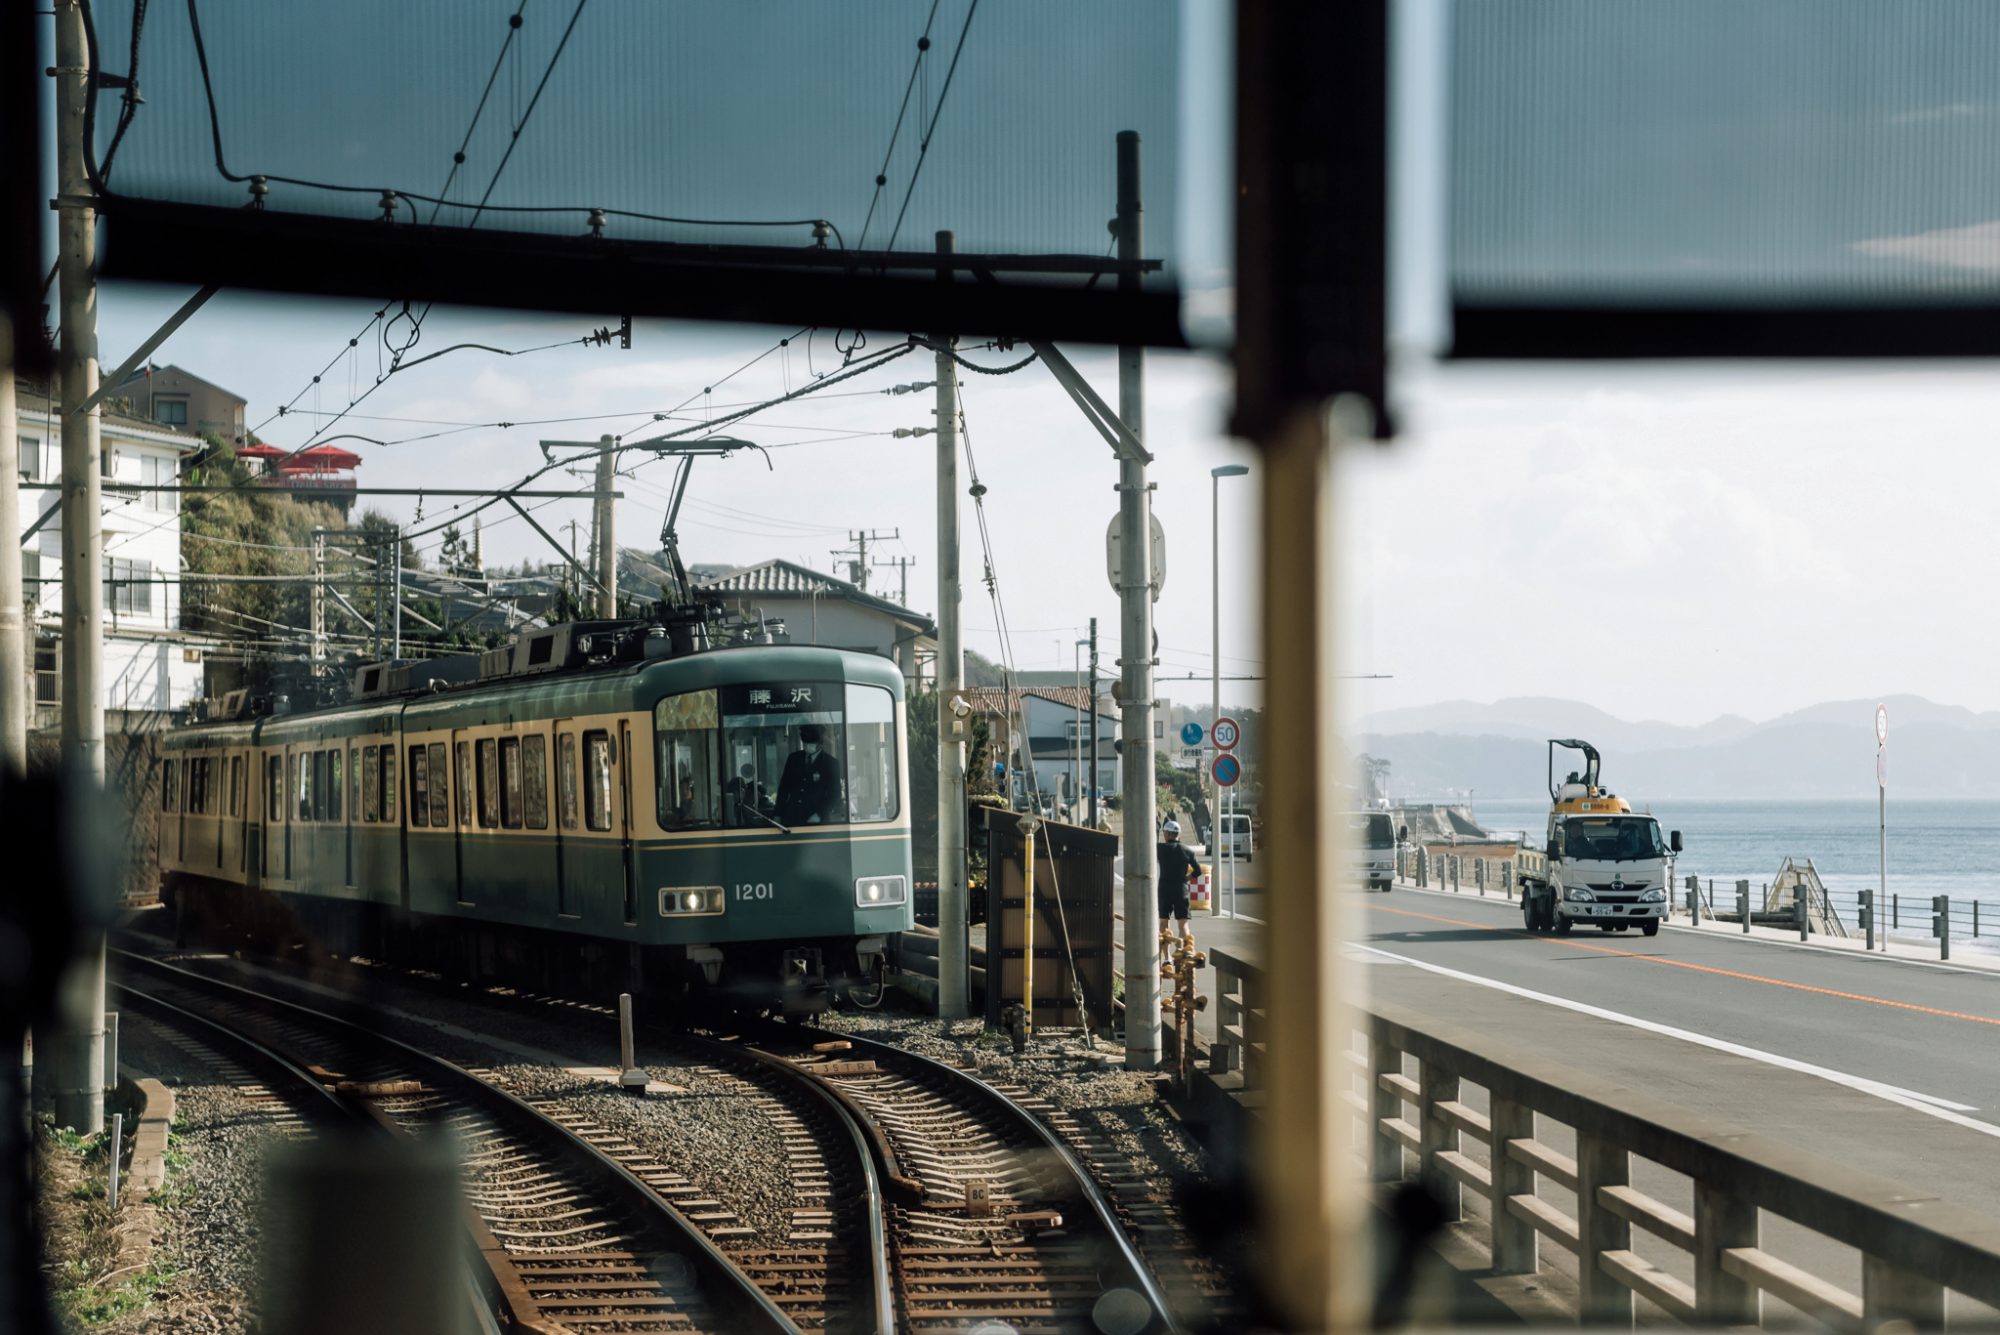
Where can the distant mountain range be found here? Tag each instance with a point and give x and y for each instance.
(1824, 750)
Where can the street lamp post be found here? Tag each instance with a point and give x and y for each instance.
(1215, 640)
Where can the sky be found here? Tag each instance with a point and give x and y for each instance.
(1671, 542)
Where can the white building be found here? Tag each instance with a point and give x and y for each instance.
(149, 664)
(821, 609)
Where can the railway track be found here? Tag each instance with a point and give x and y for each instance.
(574, 1239)
(925, 1198)
(990, 1217)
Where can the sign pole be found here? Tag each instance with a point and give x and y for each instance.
(1882, 806)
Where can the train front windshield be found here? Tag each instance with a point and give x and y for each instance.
(795, 753)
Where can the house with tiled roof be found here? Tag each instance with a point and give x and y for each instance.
(817, 608)
(1054, 724)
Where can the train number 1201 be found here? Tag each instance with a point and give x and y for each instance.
(755, 890)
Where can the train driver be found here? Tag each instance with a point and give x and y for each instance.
(809, 791)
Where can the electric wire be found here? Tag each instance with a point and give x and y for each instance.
(924, 147)
(882, 176)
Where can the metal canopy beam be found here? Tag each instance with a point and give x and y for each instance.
(151, 345)
(268, 251)
(1109, 425)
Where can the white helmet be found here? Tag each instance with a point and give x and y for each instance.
(1171, 827)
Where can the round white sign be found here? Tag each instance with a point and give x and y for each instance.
(1882, 723)
(1224, 734)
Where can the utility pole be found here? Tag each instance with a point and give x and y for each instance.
(317, 623)
(953, 901)
(396, 599)
(15, 696)
(1093, 723)
(603, 538)
(1135, 653)
(902, 566)
(857, 569)
(571, 587)
(80, 1054)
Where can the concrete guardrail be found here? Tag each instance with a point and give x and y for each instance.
(1415, 1070)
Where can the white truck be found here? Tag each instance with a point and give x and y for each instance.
(1371, 849)
(1607, 865)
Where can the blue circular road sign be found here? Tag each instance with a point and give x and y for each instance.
(1227, 770)
(1191, 734)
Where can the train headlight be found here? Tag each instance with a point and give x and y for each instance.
(705, 899)
(874, 892)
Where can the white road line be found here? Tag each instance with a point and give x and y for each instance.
(1930, 1104)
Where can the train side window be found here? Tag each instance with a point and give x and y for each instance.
(296, 776)
(194, 786)
(371, 786)
(336, 784)
(167, 773)
(566, 780)
(535, 781)
(440, 788)
(597, 780)
(274, 808)
(354, 783)
(322, 776)
(489, 783)
(420, 786)
(235, 784)
(464, 780)
(510, 782)
(390, 811)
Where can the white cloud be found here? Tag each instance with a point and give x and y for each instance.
(1975, 247)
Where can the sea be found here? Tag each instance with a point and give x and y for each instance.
(1936, 847)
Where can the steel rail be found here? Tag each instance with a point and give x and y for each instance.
(969, 1088)
(732, 1291)
(863, 1140)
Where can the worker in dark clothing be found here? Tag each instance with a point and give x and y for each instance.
(1177, 868)
(809, 791)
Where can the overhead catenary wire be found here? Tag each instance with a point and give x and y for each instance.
(439, 201)
(924, 147)
(895, 132)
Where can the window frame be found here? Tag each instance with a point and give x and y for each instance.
(511, 785)
(535, 781)
(392, 814)
(569, 800)
(486, 758)
(420, 786)
(440, 787)
(596, 743)
(462, 775)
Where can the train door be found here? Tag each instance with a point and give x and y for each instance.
(621, 762)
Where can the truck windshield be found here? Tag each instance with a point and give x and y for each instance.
(1613, 838)
(793, 753)
(1372, 829)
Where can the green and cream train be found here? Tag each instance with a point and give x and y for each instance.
(577, 810)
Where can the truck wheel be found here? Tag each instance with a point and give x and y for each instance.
(1563, 925)
(1652, 927)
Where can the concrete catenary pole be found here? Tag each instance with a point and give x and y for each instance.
(954, 900)
(80, 1058)
(1135, 656)
(1093, 723)
(604, 537)
(14, 693)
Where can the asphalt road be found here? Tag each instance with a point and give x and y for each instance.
(1888, 1066)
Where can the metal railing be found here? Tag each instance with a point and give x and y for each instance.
(1913, 1250)
(1239, 1017)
